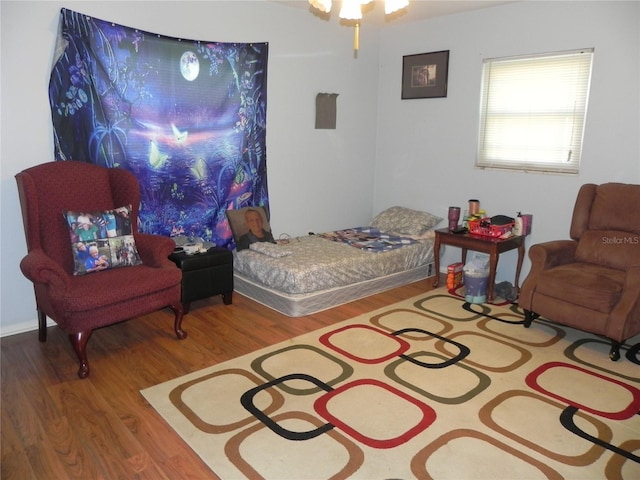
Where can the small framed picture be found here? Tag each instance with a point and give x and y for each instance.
(425, 75)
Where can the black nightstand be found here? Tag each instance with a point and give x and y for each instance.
(205, 274)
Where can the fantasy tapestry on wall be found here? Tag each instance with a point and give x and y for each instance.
(187, 117)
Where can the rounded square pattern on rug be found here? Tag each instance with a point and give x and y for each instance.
(430, 387)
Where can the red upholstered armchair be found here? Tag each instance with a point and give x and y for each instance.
(591, 282)
(81, 303)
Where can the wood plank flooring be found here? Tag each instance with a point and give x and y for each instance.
(56, 426)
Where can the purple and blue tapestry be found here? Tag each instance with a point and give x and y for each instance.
(187, 117)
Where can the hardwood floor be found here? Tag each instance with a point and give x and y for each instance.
(56, 426)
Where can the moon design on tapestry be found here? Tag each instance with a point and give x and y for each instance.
(189, 66)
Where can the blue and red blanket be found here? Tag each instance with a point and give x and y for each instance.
(368, 238)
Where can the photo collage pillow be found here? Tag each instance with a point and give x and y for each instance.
(101, 240)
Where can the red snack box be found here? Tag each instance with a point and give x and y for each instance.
(454, 275)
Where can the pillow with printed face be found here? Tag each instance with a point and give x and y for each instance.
(404, 221)
(101, 240)
(249, 225)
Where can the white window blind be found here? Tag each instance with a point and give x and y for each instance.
(533, 111)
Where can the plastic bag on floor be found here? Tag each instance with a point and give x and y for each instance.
(506, 290)
(477, 266)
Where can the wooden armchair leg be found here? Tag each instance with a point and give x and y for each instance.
(178, 311)
(42, 326)
(79, 342)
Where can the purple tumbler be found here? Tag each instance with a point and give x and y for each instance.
(454, 217)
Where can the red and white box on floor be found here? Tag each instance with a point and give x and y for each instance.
(454, 275)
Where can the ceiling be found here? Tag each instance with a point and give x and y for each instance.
(417, 9)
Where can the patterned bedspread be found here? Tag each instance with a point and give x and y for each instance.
(313, 263)
(368, 238)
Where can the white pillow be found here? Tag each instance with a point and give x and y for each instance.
(404, 221)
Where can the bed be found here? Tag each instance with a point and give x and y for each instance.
(303, 275)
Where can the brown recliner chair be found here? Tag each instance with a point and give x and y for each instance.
(591, 282)
(81, 303)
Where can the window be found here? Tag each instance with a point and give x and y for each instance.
(533, 111)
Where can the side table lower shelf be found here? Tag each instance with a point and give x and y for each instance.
(205, 275)
(493, 246)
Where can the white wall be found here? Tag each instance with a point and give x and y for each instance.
(420, 151)
(426, 148)
(318, 179)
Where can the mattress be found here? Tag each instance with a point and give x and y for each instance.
(310, 273)
(299, 305)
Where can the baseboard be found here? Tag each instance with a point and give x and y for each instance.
(23, 327)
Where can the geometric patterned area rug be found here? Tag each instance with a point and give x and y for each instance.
(428, 388)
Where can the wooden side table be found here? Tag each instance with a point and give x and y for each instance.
(493, 246)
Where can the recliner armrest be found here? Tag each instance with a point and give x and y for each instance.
(543, 257)
(38, 267)
(155, 250)
(552, 254)
(625, 316)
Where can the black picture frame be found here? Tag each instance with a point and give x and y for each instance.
(425, 75)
